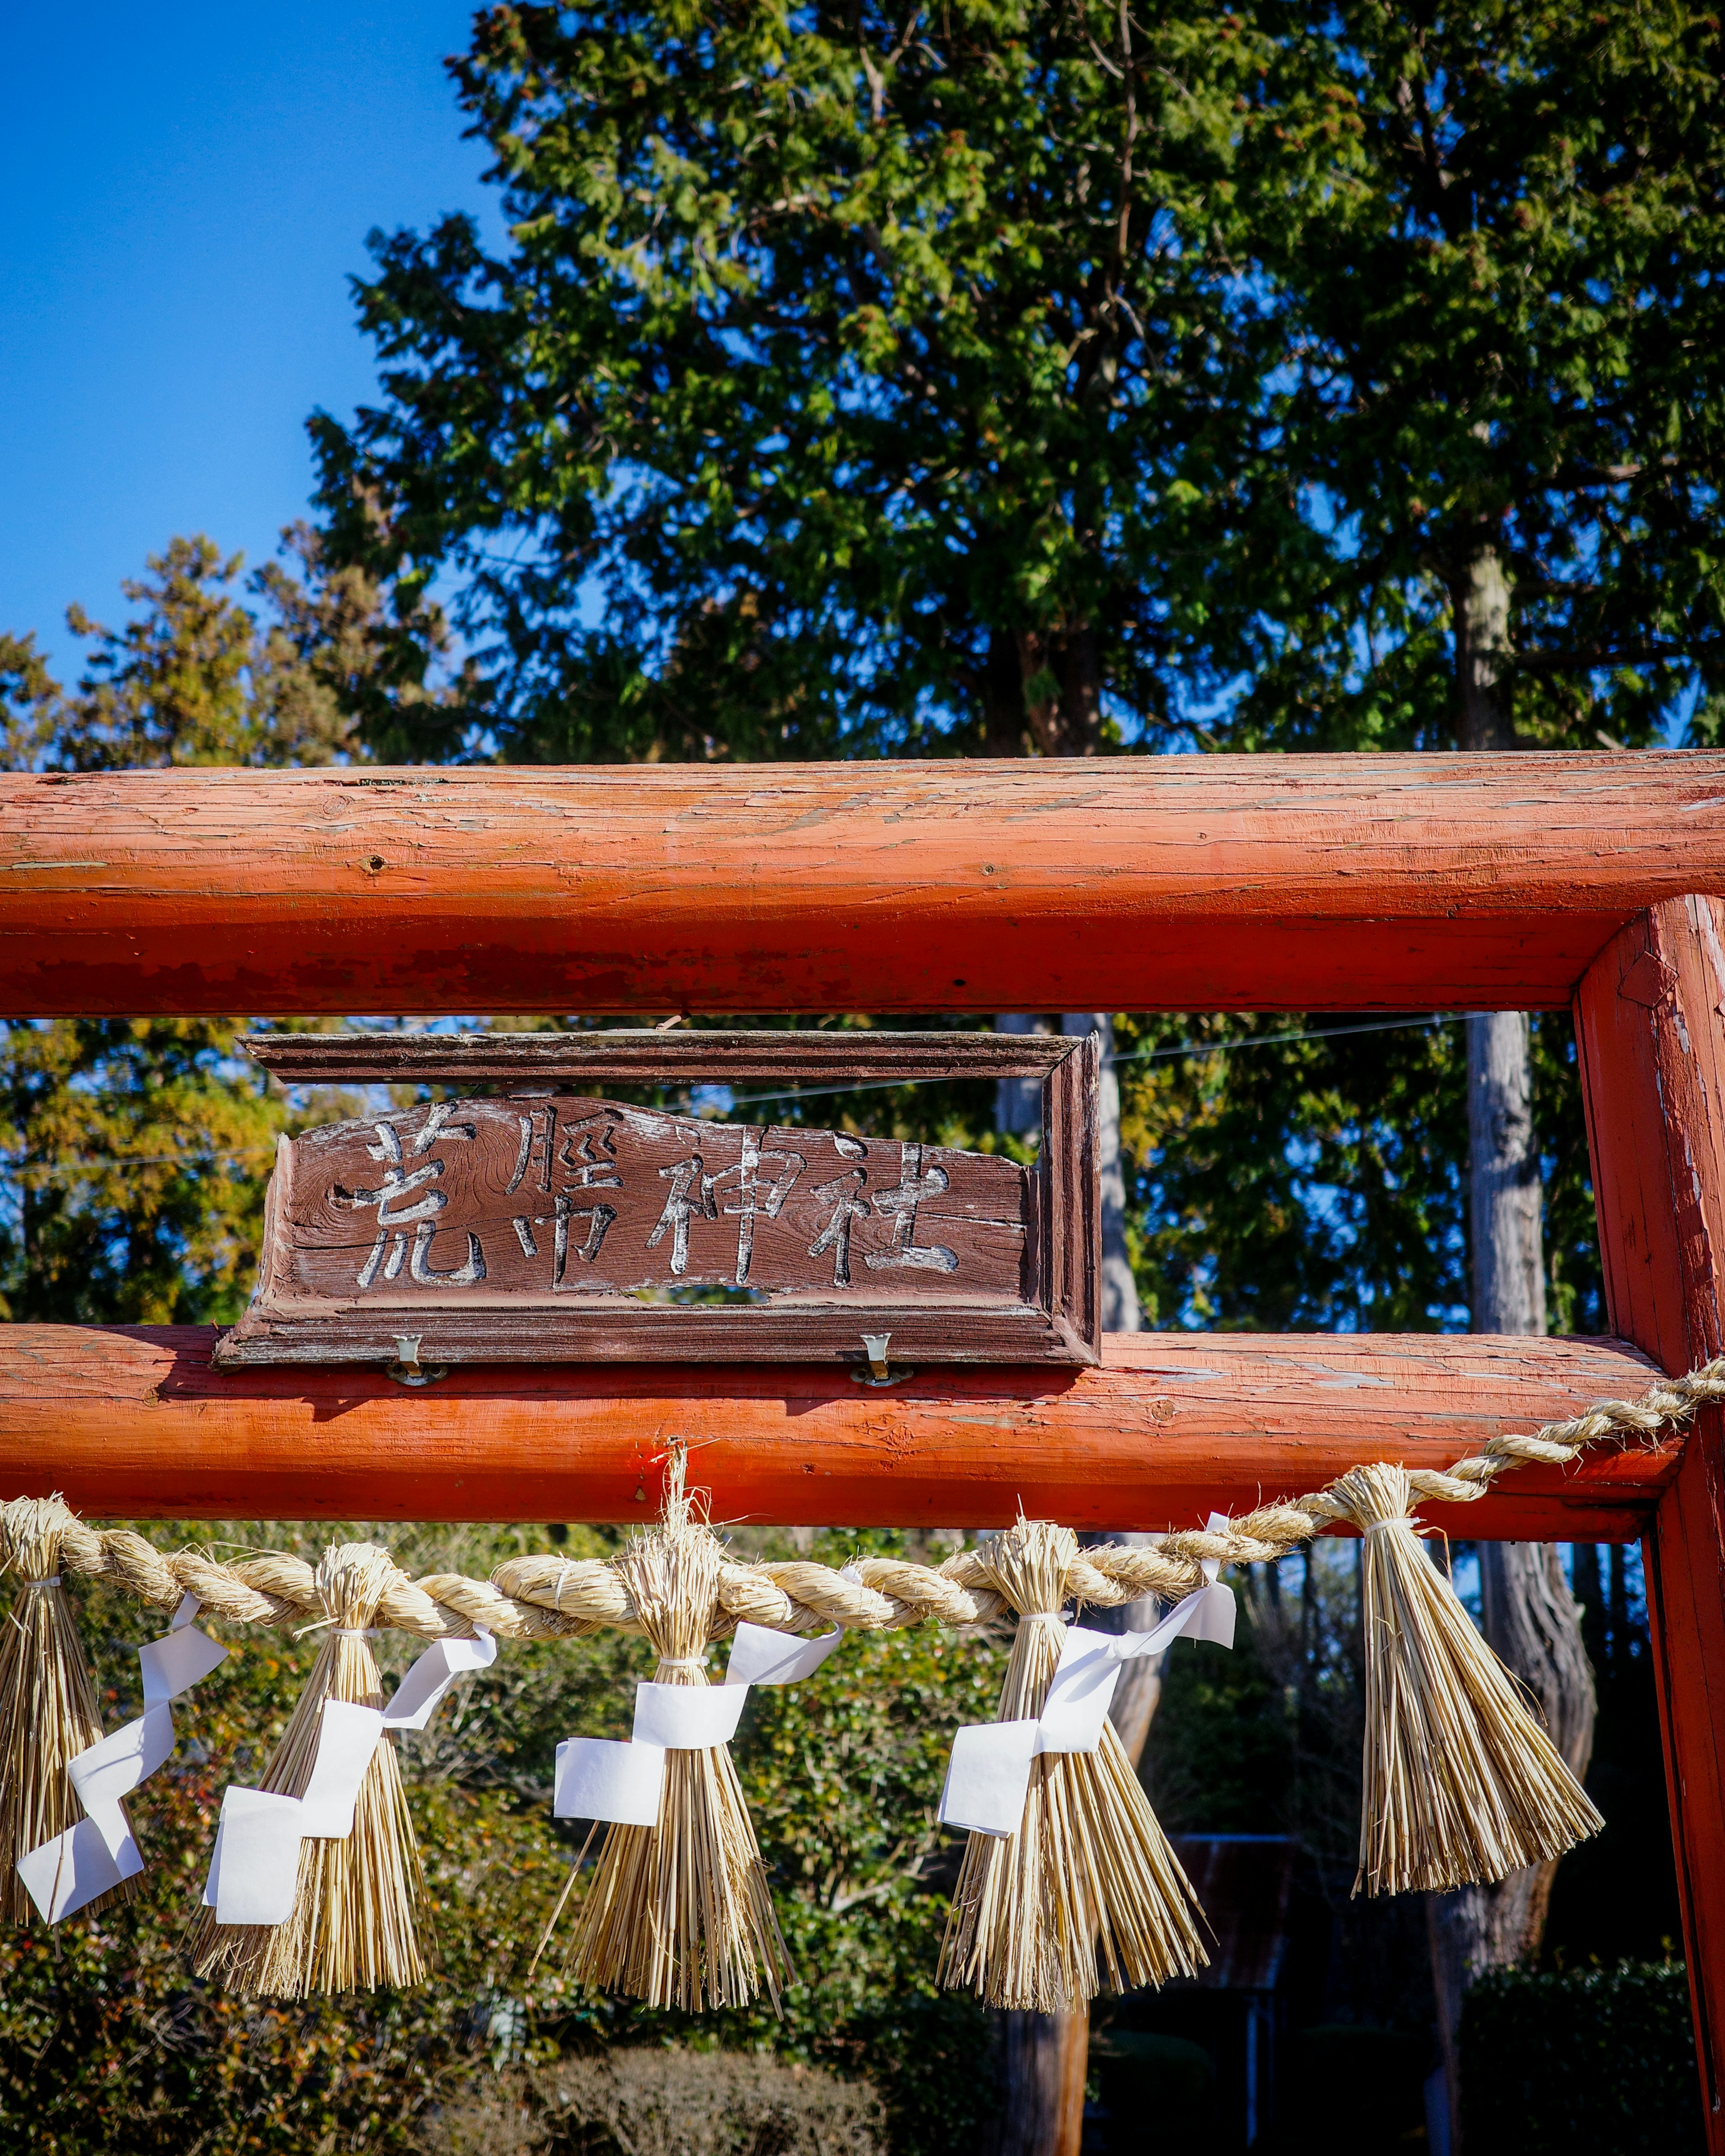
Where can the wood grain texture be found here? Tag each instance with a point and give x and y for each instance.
(1136, 883)
(541, 1226)
(1652, 1047)
(130, 1421)
(639, 1055)
(1070, 1189)
(526, 1229)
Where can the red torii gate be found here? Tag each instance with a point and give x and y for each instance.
(1299, 883)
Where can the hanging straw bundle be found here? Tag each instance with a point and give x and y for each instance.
(679, 1913)
(355, 1924)
(48, 1703)
(1460, 1783)
(1090, 1872)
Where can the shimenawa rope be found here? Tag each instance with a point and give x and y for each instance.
(546, 1597)
(1461, 1782)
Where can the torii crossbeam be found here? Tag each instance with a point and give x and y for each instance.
(1294, 883)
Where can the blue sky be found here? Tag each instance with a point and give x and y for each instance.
(186, 191)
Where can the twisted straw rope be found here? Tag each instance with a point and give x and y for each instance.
(537, 1598)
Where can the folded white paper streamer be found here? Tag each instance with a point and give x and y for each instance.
(422, 1688)
(687, 1717)
(255, 1866)
(74, 1868)
(988, 1773)
(599, 1779)
(988, 1776)
(759, 1656)
(64, 1874)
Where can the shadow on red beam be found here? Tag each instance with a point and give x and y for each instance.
(130, 1422)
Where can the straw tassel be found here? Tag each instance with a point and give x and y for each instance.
(680, 1913)
(1461, 1784)
(1089, 1874)
(360, 1901)
(47, 1702)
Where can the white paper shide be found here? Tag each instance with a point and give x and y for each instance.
(100, 1850)
(254, 1867)
(988, 1773)
(620, 1783)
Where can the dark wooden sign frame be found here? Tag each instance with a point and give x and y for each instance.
(1051, 1313)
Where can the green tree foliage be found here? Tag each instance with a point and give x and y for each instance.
(196, 676)
(193, 678)
(1496, 252)
(1038, 378)
(851, 377)
(133, 1152)
(133, 1149)
(1285, 1185)
(1317, 1183)
(1016, 376)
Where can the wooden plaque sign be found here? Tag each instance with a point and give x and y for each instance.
(544, 1223)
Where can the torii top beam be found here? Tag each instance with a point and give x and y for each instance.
(1135, 883)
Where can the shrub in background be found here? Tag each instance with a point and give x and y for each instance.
(1599, 2062)
(665, 2101)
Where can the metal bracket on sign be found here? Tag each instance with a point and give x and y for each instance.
(408, 1369)
(877, 1370)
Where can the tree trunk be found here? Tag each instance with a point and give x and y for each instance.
(1479, 605)
(1590, 1593)
(1531, 1622)
(1122, 1311)
(1140, 1683)
(1005, 732)
(1504, 1192)
(1060, 690)
(1529, 1618)
(1044, 2058)
(1081, 693)
(1018, 1109)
